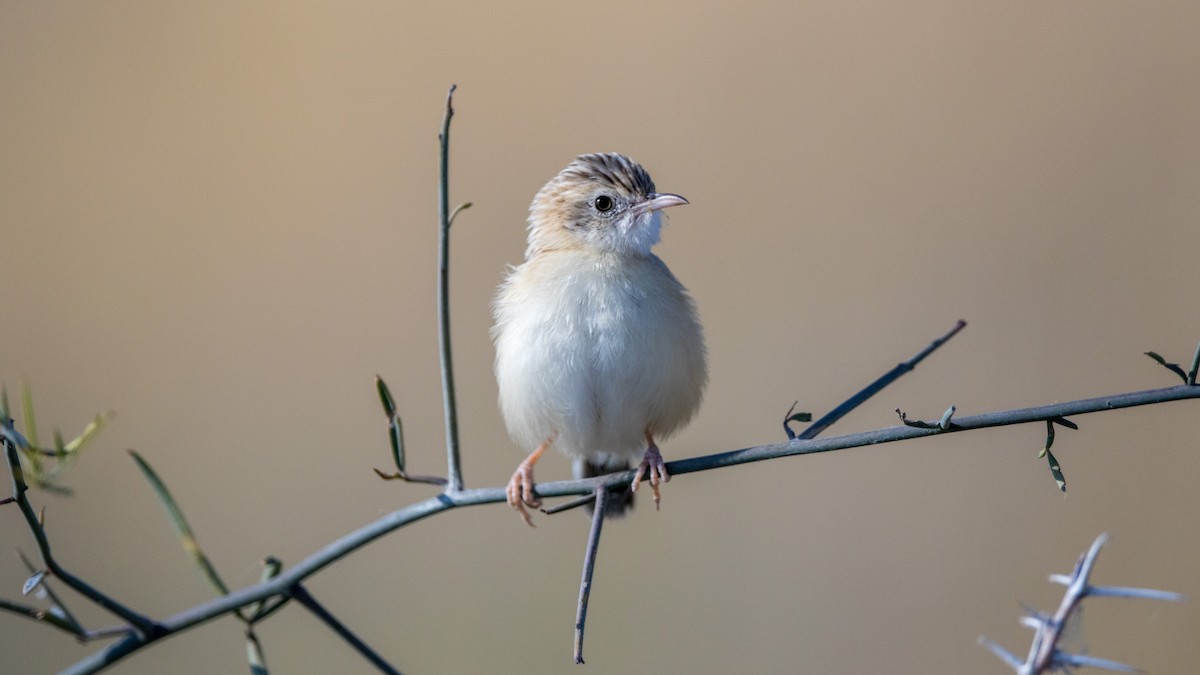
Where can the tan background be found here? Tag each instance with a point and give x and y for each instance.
(218, 221)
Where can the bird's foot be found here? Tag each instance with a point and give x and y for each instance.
(656, 471)
(520, 491)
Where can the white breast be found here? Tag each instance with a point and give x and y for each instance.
(594, 351)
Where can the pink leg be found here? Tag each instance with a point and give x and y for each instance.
(520, 486)
(655, 469)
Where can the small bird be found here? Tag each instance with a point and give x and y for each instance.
(599, 351)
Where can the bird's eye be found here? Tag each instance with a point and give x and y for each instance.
(604, 203)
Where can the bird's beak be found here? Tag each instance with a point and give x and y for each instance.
(658, 200)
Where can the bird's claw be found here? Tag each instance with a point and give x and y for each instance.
(655, 468)
(520, 492)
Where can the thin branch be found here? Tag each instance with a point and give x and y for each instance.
(589, 566)
(446, 501)
(567, 506)
(302, 596)
(453, 463)
(143, 624)
(57, 602)
(884, 380)
(39, 614)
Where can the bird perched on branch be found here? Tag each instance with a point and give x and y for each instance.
(599, 351)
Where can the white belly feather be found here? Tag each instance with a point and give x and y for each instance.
(594, 351)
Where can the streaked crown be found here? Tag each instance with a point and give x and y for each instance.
(605, 202)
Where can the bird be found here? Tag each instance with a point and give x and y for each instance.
(599, 349)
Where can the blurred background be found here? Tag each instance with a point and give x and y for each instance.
(219, 221)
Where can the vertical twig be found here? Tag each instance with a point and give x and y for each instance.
(453, 468)
(589, 566)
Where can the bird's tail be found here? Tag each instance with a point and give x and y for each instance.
(619, 502)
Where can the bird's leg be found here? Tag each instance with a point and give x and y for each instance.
(520, 486)
(654, 467)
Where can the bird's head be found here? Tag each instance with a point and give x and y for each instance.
(602, 202)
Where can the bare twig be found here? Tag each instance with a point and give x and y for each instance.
(453, 463)
(875, 387)
(567, 506)
(407, 478)
(589, 566)
(55, 601)
(146, 626)
(302, 596)
(1044, 653)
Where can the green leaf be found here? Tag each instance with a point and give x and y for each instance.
(180, 524)
(1065, 422)
(270, 570)
(30, 424)
(1056, 471)
(385, 397)
(395, 426)
(1049, 438)
(800, 417)
(93, 429)
(396, 438)
(254, 654)
(1191, 376)
(1173, 367)
(30, 419)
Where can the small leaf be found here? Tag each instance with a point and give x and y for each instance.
(1065, 422)
(1191, 376)
(454, 214)
(180, 525)
(254, 654)
(30, 422)
(793, 416)
(1056, 471)
(385, 397)
(396, 438)
(395, 426)
(33, 582)
(270, 570)
(1173, 367)
(27, 412)
(89, 433)
(58, 608)
(1049, 439)
(919, 424)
